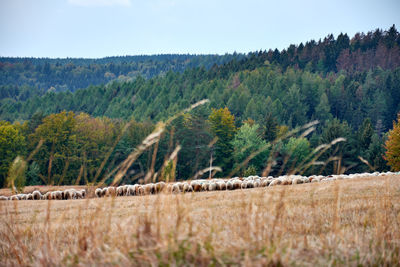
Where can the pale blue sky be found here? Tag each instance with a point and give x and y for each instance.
(98, 28)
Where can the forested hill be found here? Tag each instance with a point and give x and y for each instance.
(21, 78)
(251, 87)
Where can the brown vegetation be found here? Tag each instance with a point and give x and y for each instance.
(343, 222)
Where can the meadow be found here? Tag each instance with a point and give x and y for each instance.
(339, 223)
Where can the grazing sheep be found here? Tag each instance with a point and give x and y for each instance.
(125, 189)
(58, 195)
(139, 190)
(176, 189)
(104, 191)
(187, 187)
(14, 197)
(3, 198)
(36, 195)
(196, 186)
(47, 195)
(111, 191)
(265, 183)
(243, 185)
(297, 180)
(229, 185)
(275, 182)
(250, 184)
(130, 190)
(148, 189)
(257, 183)
(83, 193)
(204, 186)
(159, 187)
(305, 180)
(98, 192)
(78, 194)
(23, 197)
(237, 184)
(120, 190)
(315, 180)
(70, 194)
(29, 196)
(212, 186)
(221, 185)
(180, 186)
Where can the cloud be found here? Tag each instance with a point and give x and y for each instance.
(100, 2)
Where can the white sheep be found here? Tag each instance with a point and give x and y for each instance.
(276, 181)
(297, 180)
(125, 189)
(204, 186)
(159, 187)
(176, 189)
(58, 195)
(265, 183)
(237, 184)
(98, 192)
(36, 195)
(196, 186)
(110, 191)
(212, 186)
(139, 190)
(229, 185)
(3, 198)
(29, 196)
(14, 197)
(78, 194)
(47, 195)
(148, 189)
(70, 193)
(120, 190)
(180, 186)
(315, 180)
(129, 190)
(187, 187)
(243, 185)
(221, 185)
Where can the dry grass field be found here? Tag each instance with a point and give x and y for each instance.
(340, 223)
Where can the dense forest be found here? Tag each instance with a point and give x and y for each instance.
(257, 102)
(21, 78)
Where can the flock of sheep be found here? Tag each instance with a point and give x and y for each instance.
(190, 186)
(55, 195)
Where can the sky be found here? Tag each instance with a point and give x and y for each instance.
(100, 28)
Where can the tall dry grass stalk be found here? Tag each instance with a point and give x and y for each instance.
(342, 223)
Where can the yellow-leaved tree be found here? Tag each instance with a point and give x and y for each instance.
(392, 146)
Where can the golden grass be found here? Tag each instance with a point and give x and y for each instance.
(344, 222)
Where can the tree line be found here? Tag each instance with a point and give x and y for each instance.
(76, 148)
